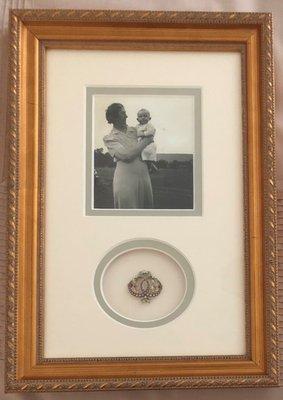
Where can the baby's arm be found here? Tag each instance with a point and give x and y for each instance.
(141, 130)
(150, 130)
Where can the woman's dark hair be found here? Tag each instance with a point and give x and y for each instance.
(112, 112)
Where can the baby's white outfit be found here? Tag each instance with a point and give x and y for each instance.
(149, 152)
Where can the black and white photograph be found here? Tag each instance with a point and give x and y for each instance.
(143, 150)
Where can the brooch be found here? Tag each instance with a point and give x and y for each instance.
(145, 286)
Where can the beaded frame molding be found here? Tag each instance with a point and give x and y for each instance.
(31, 33)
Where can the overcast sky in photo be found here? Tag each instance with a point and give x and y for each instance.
(171, 115)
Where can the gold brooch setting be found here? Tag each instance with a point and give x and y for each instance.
(145, 286)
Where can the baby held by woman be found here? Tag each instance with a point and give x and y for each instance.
(145, 128)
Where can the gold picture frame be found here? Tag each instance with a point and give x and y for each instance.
(34, 31)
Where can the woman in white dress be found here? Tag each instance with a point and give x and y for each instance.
(131, 183)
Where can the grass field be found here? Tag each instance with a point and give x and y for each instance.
(172, 188)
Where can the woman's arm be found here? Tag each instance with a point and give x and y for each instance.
(129, 155)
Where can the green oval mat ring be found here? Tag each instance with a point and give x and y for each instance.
(151, 244)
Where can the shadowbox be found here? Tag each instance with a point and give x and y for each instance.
(142, 201)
